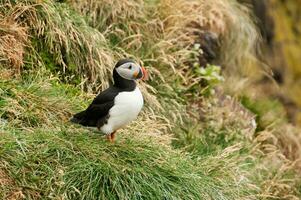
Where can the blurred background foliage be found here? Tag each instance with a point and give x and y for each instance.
(279, 23)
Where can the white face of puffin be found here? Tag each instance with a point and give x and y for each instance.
(130, 71)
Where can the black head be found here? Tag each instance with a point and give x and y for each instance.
(125, 73)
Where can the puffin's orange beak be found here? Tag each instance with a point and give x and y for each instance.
(145, 74)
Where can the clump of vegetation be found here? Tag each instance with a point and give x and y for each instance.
(190, 142)
(51, 153)
(13, 41)
(63, 37)
(268, 112)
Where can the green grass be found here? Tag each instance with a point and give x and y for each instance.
(268, 111)
(62, 163)
(48, 157)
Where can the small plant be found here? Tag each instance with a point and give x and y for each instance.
(205, 78)
(211, 75)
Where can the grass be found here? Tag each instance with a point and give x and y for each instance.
(64, 38)
(14, 38)
(42, 155)
(51, 162)
(46, 157)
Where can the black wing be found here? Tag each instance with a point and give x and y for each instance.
(97, 112)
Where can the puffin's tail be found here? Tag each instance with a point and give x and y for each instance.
(74, 120)
(78, 118)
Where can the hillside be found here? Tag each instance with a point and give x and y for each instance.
(201, 135)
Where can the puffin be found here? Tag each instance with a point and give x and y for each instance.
(119, 104)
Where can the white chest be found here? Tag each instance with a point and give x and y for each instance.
(127, 106)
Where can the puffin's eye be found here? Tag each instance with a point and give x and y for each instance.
(130, 67)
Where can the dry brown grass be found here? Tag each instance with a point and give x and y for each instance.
(280, 177)
(288, 138)
(71, 43)
(158, 34)
(162, 34)
(184, 21)
(5, 179)
(106, 15)
(276, 150)
(150, 127)
(13, 38)
(191, 17)
(8, 188)
(226, 111)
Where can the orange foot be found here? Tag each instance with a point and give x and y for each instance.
(111, 137)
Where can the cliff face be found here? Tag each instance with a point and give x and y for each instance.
(287, 18)
(279, 23)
